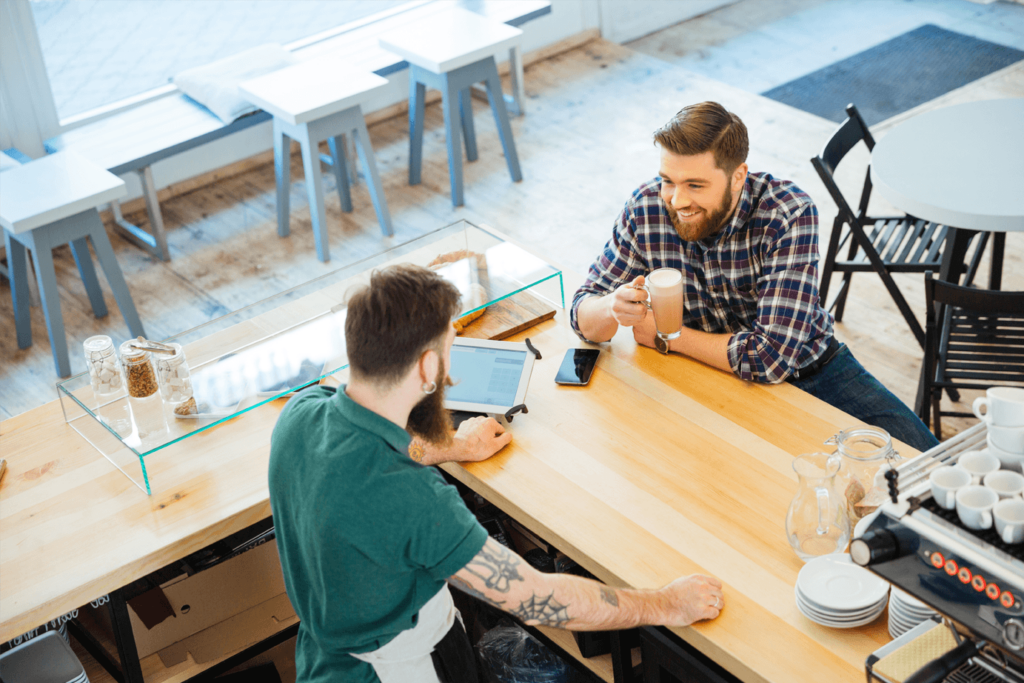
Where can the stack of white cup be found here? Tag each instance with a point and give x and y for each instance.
(986, 487)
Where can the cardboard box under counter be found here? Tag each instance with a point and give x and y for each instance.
(213, 613)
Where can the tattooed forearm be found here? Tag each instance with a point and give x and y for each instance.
(545, 611)
(495, 566)
(416, 450)
(608, 595)
(468, 589)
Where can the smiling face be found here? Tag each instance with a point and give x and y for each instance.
(700, 197)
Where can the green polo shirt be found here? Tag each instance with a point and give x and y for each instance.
(366, 535)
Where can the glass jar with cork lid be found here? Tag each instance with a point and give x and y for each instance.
(104, 370)
(176, 381)
(863, 452)
(140, 375)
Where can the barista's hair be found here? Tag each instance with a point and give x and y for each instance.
(703, 127)
(403, 312)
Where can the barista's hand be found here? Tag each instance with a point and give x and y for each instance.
(623, 303)
(691, 599)
(478, 438)
(644, 332)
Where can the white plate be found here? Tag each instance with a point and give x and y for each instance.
(903, 610)
(824, 617)
(838, 624)
(834, 583)
(910, 616)
(905, 624)
(906, 598)
(839, 614)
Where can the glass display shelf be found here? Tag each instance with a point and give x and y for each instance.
(267, 350)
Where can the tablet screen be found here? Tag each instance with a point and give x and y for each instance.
(487, 376)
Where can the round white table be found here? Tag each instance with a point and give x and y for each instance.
(962, 166)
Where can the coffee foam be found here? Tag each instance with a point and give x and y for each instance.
(664, 278)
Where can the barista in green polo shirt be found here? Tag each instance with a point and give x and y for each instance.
(370, 537)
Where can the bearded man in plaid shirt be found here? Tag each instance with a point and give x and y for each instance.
(747, 246)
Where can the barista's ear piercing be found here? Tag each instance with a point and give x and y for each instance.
(429, 388)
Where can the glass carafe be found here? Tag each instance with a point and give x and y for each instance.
(863, 451)
(817, 522)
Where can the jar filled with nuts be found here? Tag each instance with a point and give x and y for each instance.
(176, 381)
(104, 370)
(138, 370)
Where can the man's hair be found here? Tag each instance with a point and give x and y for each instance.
(703, 127)
(404, 311)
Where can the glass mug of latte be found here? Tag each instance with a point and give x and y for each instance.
(664, 288)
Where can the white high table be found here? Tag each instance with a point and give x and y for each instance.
(962, 166)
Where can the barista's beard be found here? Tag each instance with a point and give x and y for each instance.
(429, 419)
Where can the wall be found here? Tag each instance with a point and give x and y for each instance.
(626, 20)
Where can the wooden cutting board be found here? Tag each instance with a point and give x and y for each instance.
(510, 316)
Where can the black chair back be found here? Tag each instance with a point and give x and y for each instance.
(974, 339)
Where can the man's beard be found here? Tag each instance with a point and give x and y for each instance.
(696, 231)
(429, 419)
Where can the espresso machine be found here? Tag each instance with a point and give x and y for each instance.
(972, 578)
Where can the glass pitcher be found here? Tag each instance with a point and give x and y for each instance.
(862, 451)
(817, 522)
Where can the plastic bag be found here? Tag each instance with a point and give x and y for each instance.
(511, 655)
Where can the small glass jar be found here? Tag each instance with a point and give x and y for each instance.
(140, 375)
(863, 451)
(104, 369)
(175, 379)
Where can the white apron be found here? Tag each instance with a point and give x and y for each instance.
(406, 658)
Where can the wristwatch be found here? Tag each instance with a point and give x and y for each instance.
(661, 345)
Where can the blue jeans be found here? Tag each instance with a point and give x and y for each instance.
(844, 383)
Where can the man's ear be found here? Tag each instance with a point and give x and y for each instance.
(428, 365)
(739, 176)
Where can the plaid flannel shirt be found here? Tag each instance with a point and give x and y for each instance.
(756, 279)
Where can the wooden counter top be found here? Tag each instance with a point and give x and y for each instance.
(664, 467)
(661, 467)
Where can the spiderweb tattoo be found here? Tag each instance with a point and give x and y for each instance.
(545, 611)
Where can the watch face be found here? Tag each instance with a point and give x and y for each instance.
(660, 344)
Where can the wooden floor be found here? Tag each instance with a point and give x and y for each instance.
(584, 145)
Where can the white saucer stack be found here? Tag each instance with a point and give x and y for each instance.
(834, 592)
(906, 612)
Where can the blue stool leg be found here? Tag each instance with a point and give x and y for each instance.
(466, 114)
(417, 97)
(80, 250)
(315, 191)
(453, 136)
(42, 257)
(340, 166)
(497, 98)
(369, 161)
(18, 268)
(112, 271)
(283, 176)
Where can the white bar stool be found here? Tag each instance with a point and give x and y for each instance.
(311, 102)
(46, 203)
(450, 51)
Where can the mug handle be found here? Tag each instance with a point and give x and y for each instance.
(986, 519)
(646, 302)
(1008, 534)
(950, 500)
(976, 407)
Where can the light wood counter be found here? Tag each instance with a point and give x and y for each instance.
(664, 467)
(661, 467)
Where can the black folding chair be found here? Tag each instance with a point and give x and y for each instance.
(974, 340)
(886, 245)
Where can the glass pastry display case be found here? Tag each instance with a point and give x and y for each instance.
(265, 351)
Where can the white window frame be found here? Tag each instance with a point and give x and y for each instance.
(30, 99)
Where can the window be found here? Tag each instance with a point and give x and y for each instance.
(99, 52)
